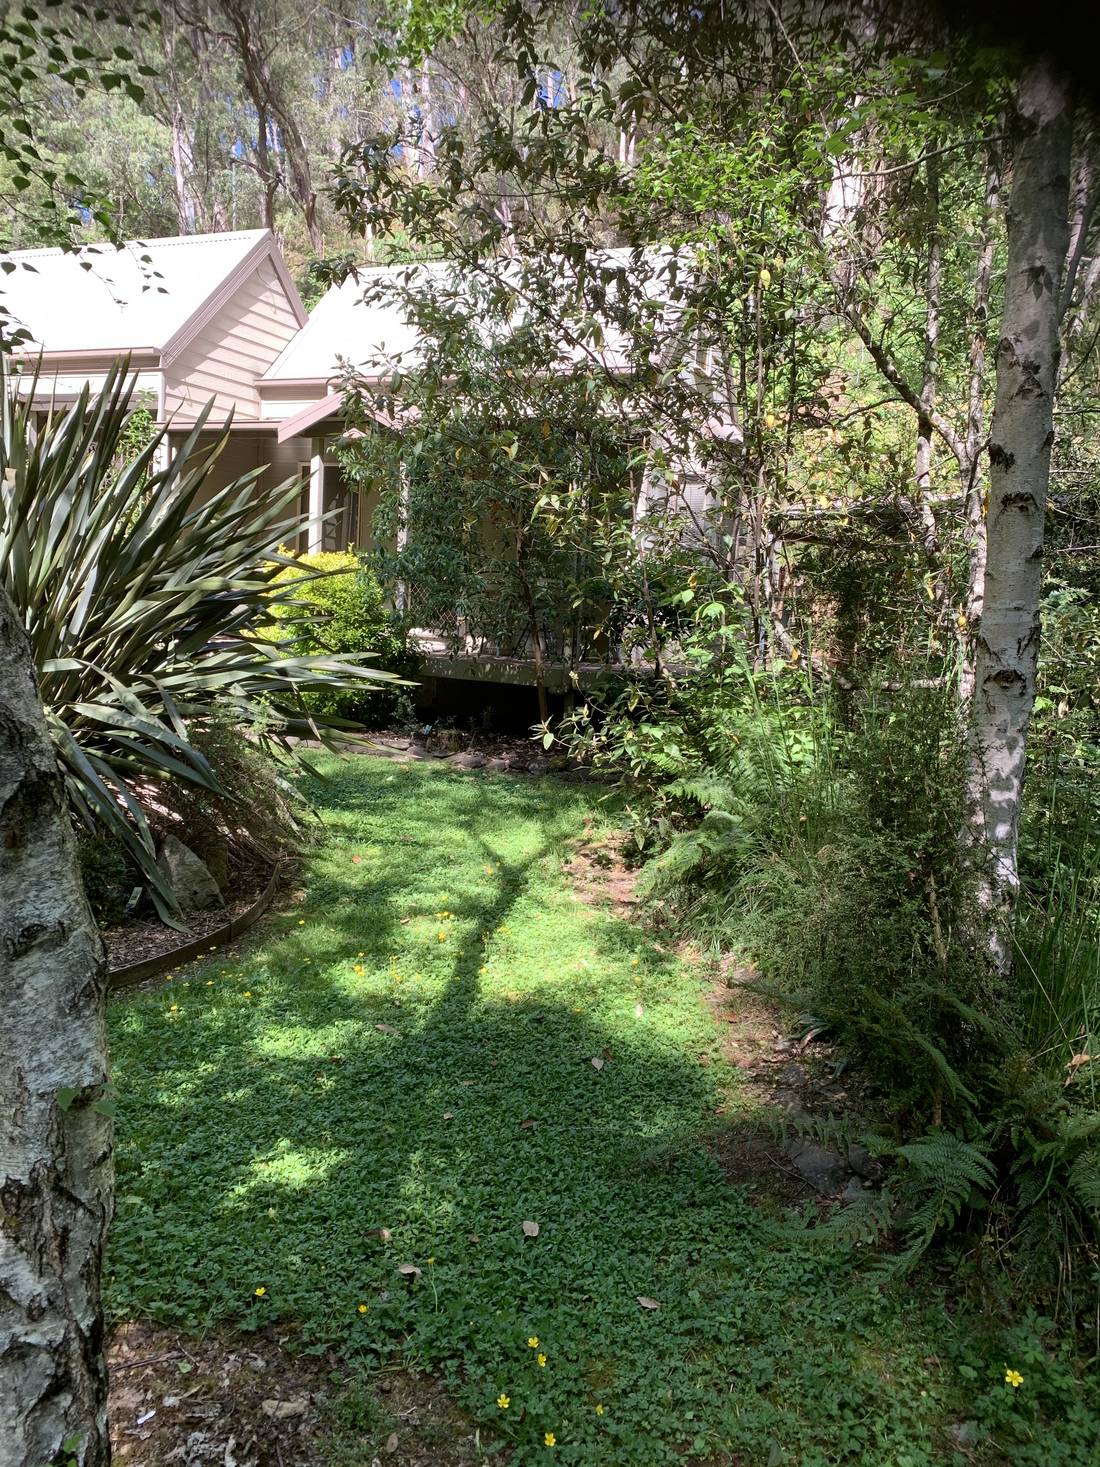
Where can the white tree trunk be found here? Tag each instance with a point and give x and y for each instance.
(1019, 452)
(55, 1144)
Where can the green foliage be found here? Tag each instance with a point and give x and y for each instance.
(819, 834)
(108, 876)
(46, 200)
(352, 1072)
(343, 614)
(145, 599)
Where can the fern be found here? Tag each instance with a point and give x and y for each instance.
(944, 1173)
(1083, 1180)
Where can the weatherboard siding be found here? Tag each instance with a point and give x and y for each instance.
(233, 349)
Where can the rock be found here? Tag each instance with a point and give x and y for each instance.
(518, 766)
(863, 1163)
(497, 766)
(823, 1169)
(284, 1410)
(557, 763)
(213, 851)
(790, 1103)
(445, 741)
(469, 761)
(538, 765)
(853, 1191)
(189, 879)
(793, 1076)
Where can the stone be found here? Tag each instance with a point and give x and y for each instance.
(538, 765)
(853, 1191)
(469, 761)
(825, 1171)
(188, 878)
(863, 1163)
(213, 851)
(557, 763)
(445, 741)
(284, 1410)
(497, 766)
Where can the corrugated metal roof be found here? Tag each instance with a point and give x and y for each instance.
(112, 300)
(342, 327)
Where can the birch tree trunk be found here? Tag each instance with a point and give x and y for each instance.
(55, 1143)
(1019, 453)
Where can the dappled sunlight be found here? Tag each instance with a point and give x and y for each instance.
(445, 1108)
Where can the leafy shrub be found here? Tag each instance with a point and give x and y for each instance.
(346, 615)
(108, 876)
(145, 598)
(820, 836)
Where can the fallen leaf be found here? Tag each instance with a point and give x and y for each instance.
(146, 1416)
(448, 1115)
(638, 1010)
(356, 860)
(391, 1442)
(530, 1229)
(473, 1238)
(646, 1302)
(382, 1234)
(606, 1053)
(388, 1029)
(527, 1121)
(1075, 1064)
(410, 1270)
(597, 1063)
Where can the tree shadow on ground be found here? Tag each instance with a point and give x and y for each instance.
(348, 1158)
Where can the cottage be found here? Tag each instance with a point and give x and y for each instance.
(201, 319)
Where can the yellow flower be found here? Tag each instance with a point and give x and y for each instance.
(504, 1401)
(441, 936)
(362, 1309)
(532, 1342)
(247, 993)
(599, 1410)
(550, 1439)
(210, 983)
(633, 962)
(172, 1007)
(430, 1262)
(260, 1292)
(1014, 1379)
(301, 921)
(542, 1359)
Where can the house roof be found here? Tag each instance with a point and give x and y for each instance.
(150, 295)
(343, 327)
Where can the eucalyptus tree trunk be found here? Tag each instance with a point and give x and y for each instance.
(1019, 453)
(55, 1135)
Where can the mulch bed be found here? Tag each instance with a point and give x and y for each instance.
(150, 937)
(231, 1400)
